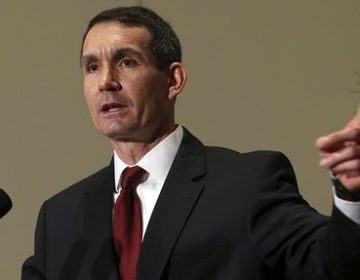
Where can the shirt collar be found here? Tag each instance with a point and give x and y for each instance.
(157, 161)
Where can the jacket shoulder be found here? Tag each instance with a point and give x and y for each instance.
(86, 185)
(230, 154)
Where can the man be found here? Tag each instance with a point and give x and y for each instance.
(205, 212)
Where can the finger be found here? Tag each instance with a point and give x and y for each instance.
(336, 140)
(351, 181)
(348, 153)
(347, 167)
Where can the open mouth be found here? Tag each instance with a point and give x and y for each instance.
(112, 107)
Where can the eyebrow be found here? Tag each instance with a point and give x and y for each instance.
(86, 59)
(117, 54)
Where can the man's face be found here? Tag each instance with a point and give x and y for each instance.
(128, 97)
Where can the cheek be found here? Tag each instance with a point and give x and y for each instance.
(88, 89)
(87, 85)
(90, 82)
(87, 98)
(90, 101)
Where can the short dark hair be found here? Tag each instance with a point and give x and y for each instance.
(164, 43)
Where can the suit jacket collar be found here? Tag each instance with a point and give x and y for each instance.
(179, 194)
(95, 224)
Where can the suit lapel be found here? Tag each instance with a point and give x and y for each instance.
(175, 203)
(95, 224)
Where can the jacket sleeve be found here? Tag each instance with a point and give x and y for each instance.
(293, 238)
(342, 247)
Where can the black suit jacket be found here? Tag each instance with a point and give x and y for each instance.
(220, 215)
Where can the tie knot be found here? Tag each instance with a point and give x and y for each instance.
(131, 177)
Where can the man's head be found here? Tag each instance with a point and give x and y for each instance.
(130, 91)
(164, 43)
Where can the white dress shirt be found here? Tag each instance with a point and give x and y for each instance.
(157, 163)
(348, 208)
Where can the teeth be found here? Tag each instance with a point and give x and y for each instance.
(113, 109)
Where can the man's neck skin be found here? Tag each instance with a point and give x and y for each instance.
(132, 152)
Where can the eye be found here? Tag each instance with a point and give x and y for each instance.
(92, 67)
(128, 62)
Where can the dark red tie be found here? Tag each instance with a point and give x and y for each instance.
(128, 222)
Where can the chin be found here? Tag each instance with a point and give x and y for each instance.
(118, 133)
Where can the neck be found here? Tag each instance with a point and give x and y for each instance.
(132, 152)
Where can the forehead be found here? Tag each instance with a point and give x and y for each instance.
(112, 34)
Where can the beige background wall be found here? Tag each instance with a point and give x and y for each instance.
(262, 75)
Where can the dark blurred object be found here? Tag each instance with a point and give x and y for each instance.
(5, 203)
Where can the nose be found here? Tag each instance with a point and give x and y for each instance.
(109, 81)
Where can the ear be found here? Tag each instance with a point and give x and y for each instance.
(177, 79)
